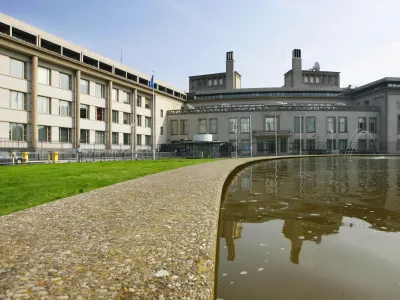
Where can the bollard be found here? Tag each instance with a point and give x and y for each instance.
(55, 157)
(26, 156)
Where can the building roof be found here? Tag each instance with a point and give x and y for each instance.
(55, 39)
(316, 72)
(211, 75)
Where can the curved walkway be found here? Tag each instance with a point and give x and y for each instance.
(148, 238)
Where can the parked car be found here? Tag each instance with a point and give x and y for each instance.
(6, 158)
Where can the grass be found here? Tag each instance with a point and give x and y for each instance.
(27, 186)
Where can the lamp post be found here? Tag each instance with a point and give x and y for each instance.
(236, 131)
(276, 137)
(300, 134)
(332, 132)
(132, 137)
(251, 139)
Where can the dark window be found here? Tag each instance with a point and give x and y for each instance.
(71, 54)
(120, 72)
(99, 114)
(24, 36)
(4, 28)
(90, 61)
(50, 46)
(105, 67)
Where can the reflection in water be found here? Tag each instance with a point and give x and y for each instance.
(352, 204)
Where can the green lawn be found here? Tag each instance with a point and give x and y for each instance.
(26, 186)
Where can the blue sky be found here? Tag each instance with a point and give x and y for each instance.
(179, 38)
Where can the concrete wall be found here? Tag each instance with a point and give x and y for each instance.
(285, 122)
(57, 94)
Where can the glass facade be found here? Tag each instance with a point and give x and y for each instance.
(44, 133)
(373, 125)
(270, 123)
(127, 118)
(65, 135)
(65, 81)
(84, 111)
(331, 124)
(84, 87)
(100, 90)
(65, 108)
(18, 100)
(115, 138)
(214, 125)
(342, 124)
(244, 125)
(18, 69)
(44, 76)
(115, 116)
(174, 127)
(44, 105)
(127, 139)
(99, 138)
(362, 123)
(184, 126)
(310, 124)
(299, 124)
(202, 125)
(85, 136)
(17, 132)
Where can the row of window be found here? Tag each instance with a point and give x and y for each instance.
(18, 132)
(183, 127)
(317, 79)
(342, 144)
(18, 69)
(18, 101)
(271, 124)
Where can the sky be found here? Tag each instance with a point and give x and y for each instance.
(181, 38)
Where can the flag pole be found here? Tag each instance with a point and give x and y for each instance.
(153, 107)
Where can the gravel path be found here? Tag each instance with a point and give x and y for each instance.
(149, 238)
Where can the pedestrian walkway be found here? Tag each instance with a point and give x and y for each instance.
(147, 238)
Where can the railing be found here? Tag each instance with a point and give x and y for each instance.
(265, 107)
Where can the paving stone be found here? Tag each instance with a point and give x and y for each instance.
(99, 244)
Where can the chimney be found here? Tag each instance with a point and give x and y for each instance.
(297, 75)
(230, 71)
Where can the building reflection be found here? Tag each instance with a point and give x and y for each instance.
(313, 200)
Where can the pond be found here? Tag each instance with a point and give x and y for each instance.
(312, 228)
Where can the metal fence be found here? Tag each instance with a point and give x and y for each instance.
(259, 148)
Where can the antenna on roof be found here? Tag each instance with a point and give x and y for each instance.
(121, 55)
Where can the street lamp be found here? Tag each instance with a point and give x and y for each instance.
(276, 137)
(300, 133)
(236, 131)
(132, 137)
(332, 132)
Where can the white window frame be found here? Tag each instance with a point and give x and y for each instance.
(20, 96)
(115, 113)
(99, 90)
(69, 108)
(44, 72)
(69, 81)
(102, 137)
(23, 71)
(40, 105)
(84, 81)
(174, 127)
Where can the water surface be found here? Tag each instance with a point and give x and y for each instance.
(312, 228)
